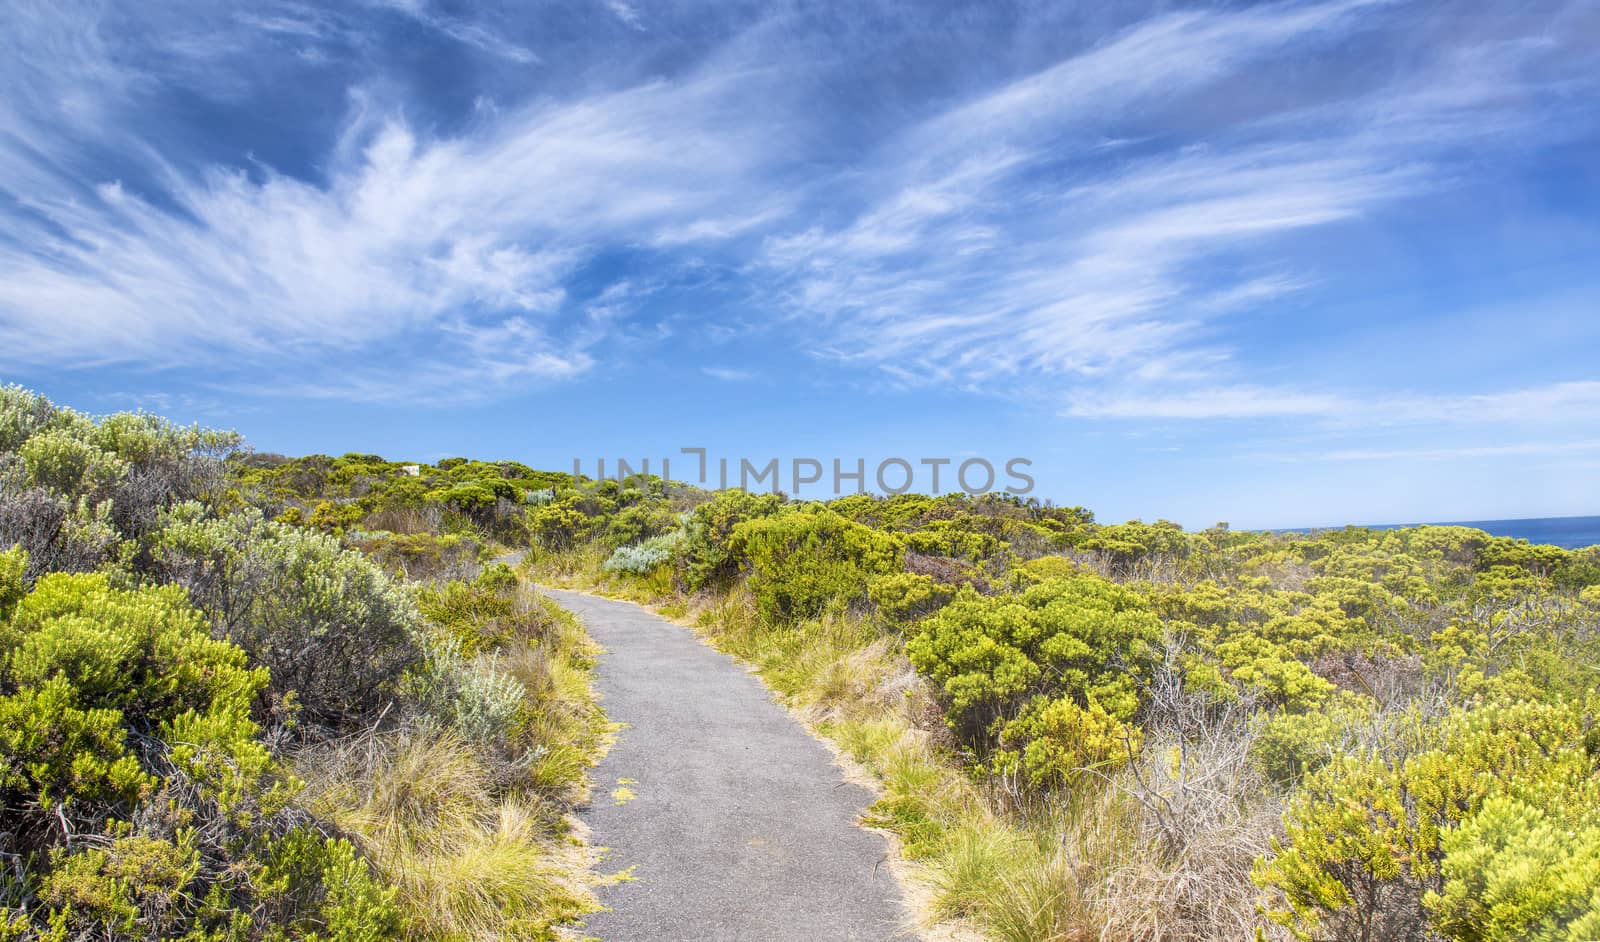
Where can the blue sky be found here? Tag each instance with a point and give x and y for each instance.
(1283, 264)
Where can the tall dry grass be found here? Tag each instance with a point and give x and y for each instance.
(474, 830)
(473, 863)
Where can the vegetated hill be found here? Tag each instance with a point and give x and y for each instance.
(227, 716)
(1129, 731)
(255, 697)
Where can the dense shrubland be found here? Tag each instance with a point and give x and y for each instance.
(1090, 731)
(244, 696)
(248, 697)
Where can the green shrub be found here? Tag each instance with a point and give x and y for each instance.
(1044, 569)
(904, 597)
(1367, 836)
(355, 905)
(65, 463)
(421, 557)
(130, 888)
(801, 562)
(1514, 871)
(13, 564)
(477, 616)
(1080, 637)
(22, 413)
(92, 672)
(1289, 746)
(708, 553)
(140, 463)
(331, 517)
(1054, 741)
(638, 523)
(300, 886)
(136, 791)
(1261, 665)
(474, 497)
(326, 621)
(560, 524)
(1126, 544)
(965, 539)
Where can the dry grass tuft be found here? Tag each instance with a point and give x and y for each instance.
(470, 866)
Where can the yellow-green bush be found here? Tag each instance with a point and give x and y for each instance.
(904, 597)
(1288, 746)
(801, 562)
(1261, 665)
(480, 614)
(638, 523)
(135, 788)
(1055, 741)
(561, 524)
(707, 554)
(90, 671)
(13, 563)
(1081, 637)
(1367, 837)
(1517, 871)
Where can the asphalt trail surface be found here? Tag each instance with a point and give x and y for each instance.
(737, 824)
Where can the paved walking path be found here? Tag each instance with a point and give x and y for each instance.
(737, 823)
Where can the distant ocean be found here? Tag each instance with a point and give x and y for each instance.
(1569, 532)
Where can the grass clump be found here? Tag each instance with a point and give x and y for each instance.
(472, 860)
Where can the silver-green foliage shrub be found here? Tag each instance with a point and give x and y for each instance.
(76, 490)
(326, 621)
(471, 696)
(640, 558)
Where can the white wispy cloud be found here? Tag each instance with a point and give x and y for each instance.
(1538, 449)
(445, 260)
(1227, 402)
(473, 34)
(1571, 403)
(626, 12)
(727, 374)
(998, 245)
(1008, 253)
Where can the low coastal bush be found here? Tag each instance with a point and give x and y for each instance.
(1374, 846)
(800, 562)
(1082, 637)
(136, 786)
(639, 559)
(327, 622)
